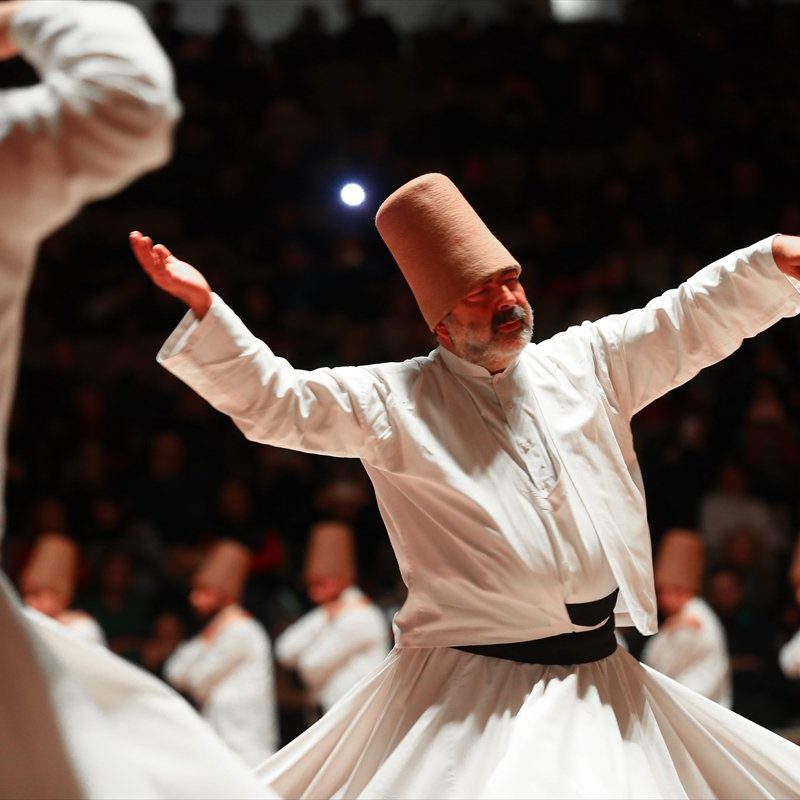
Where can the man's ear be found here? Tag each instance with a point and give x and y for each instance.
(443, 335)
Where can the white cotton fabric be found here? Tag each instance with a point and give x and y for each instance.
(83, 626)
(506, 497)
(333, 655)
(146, 740)
(691, 648)
(231, 678)
(441, 723)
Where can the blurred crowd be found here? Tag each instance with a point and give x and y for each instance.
(613, 160)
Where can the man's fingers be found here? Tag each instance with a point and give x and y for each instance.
(136, 240)
(161, 254)
(153, 259)
(142, 247)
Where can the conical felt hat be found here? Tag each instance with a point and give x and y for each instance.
(680, 560)
(53, 565)
(330, 552)
(225, 568)
(441, 245)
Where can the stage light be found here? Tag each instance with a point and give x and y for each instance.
(352, 194)
(586, 10)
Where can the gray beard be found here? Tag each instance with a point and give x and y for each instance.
(496, 350)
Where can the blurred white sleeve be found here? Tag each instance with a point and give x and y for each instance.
(102, 113)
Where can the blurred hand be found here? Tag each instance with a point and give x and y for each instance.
(786, 252)
(175, 277)
(8, 49)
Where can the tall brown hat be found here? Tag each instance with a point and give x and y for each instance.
(53, 565)
(330, 552)
(225, 568)
(441, 245)
(794, 569)
(680, 560)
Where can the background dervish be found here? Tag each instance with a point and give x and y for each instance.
(343, 638)
(227, 667)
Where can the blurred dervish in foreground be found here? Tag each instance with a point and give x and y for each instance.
(506, 476)
(76, 721)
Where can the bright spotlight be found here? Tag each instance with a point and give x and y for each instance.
(352, 194)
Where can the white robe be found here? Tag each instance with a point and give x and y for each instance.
(506, 497)
(333, 655)
(691, 649)
(83, 626)
(232, 679)
(75, 720)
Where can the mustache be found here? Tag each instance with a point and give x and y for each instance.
(516, 314)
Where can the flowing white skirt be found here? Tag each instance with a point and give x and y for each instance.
(441, 723)
(76, 721)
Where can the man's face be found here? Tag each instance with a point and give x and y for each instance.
(47, 601)
(491, 325)
(206, 601)
(323, 589)
(671, 599)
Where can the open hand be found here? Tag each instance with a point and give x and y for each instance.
(176, 277)
(786, 252)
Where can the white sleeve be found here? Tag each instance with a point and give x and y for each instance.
(178, 667)
(705, 667)
(337, 412)
(355, 631)
(198, 666)
(644, 353)
(101, 115)
(298, 637)
(88, 629)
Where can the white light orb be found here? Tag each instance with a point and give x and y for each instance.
(352, 194)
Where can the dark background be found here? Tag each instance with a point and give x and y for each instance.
(612, 158)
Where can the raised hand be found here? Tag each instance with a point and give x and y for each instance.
(786, 252)
(8, 48)
(174, 276)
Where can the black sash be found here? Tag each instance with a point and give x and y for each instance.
(566, 648)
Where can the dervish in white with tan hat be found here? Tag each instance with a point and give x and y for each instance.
(690, 646)
(345, 637)
(507, 480)
(47, 584)
(227, 668)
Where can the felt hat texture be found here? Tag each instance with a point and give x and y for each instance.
(330, 552)
(680, 560)
(224, 568)
(441, 245)
(53, 565)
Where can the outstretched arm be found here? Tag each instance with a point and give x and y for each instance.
(339, 412)
(644, 353)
